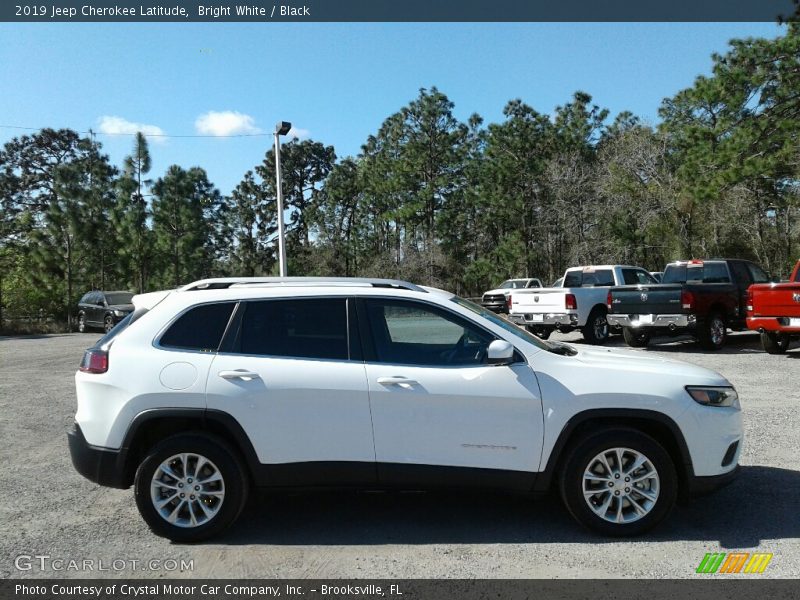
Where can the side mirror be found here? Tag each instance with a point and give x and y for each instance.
(500, 352)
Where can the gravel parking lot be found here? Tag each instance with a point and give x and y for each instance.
(48, 509)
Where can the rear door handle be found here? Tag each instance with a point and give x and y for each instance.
(239, 374)
(396, 380)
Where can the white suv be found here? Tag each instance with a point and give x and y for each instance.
(203, 393)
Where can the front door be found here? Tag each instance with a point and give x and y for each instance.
(290, 382)
(440, 413)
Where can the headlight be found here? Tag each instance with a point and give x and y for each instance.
(119, 313)
(713, 396)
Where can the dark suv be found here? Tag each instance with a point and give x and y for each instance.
(103, 310)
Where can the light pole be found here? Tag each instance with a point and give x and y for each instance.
(281, 128)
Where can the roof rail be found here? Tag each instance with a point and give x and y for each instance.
(221, 283)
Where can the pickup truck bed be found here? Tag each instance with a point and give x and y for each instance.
(774, 310)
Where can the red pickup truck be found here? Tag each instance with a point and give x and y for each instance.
(774, 310)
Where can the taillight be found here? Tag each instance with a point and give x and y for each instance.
(749, 301)
(687, 300)
(94, 361)
(570, 302)
(609, 299)
(508, 301)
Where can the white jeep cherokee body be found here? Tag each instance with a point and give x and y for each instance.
(294, 383)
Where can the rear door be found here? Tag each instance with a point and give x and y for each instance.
(296, 384)
(440, 413)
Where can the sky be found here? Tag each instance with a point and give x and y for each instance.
(335, 82)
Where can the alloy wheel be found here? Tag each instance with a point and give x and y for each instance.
(621, 485)
(187, 490)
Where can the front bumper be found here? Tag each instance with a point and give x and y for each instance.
(546, 319)
(659, 321)
(700, 486)
(99, 465)
(495, 306)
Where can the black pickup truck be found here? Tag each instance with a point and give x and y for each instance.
(704, 298)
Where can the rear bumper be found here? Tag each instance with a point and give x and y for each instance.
(656, 321)
(99, 465)
(700, 486)
(546, 319)
(772, 324)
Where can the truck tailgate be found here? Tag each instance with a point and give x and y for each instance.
(646, 299)
(776, 300)
(543, 300)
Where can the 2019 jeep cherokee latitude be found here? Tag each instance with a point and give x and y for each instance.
(205, 392)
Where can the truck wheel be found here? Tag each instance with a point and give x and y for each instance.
(712, 332)
(596, 329)
(540, 332)
(81, 323)
(190, 487)
(774, 343)
(619, 482)
(636, 338)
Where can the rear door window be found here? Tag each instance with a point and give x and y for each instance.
(313, 328)
(636, 276)
(200, 328)
(593, 278)
(757, 273)
(716, 272)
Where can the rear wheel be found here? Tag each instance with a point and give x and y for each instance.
(190, 487)
(596, 329)
(774, 342)
(712, 332)
(619, 482)
(82, 323)
(636, 338)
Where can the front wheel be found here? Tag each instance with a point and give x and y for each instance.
(636, 338)
(712, 332)
(190, 487)
(108, 324)
(596, 329)
(774, 342)
(81, 323)
(619, 482)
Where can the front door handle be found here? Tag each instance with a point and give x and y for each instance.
(397, 380)
(239, 374)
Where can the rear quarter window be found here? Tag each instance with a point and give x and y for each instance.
(200, 328)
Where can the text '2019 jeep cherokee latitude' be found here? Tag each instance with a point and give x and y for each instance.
(224, 385)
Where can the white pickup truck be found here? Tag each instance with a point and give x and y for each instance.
(579, 304)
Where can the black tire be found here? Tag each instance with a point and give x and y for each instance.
(222, 456)
(774, 342)
(108, 323)
(580, 459)
(636, 338)
(81, 323)
(540, 332)
(712, 332)
(596, 330)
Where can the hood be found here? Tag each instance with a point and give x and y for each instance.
(500, 291)
(610, 359)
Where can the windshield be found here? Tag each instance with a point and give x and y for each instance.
(119, 298)
(513, 284)
(510, 327)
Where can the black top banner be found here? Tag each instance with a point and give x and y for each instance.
(400, 11)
